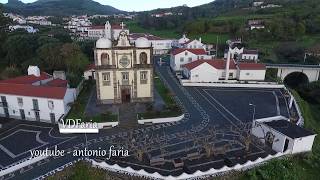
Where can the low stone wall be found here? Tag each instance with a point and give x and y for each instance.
(235, 85)
(107, 124)
(21, 164)
(161, 120)
(211, 172)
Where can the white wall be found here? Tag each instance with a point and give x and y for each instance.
(249, 57)
(260, 130)
(176, 64)
(256, 75)
(303, 144)
(313, 75)
(13, 107)
(203, 73)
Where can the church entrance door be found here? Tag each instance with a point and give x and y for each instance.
(125, 95)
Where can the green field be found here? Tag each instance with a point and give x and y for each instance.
(208, 38)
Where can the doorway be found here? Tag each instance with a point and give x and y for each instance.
(22, 114)
(286, 144)
(6, 112)
(37, 115)
(125, 95)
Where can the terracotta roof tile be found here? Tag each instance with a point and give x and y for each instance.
(194, 51)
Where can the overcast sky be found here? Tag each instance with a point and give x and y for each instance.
(141, 5)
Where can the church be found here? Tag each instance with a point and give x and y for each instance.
(124, 70)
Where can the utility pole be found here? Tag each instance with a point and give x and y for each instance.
(217, 47)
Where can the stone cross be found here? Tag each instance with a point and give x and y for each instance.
(122, 25)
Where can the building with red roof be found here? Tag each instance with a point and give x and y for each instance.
(214, 70)
(113, 31)
(181, 56)
(36, 96)
(160, 45)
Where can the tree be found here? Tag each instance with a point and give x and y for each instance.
(73, 57)
(10, 72)
(19, 48)
(50, 57)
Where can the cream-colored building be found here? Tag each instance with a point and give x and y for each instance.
(124, 71)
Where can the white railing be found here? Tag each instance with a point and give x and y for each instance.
(23, 163)
(161, 120)
(211, 172)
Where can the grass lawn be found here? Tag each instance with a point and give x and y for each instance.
(78, 108)
(303, 166)
(171, 109)
(84, 171)
(135, 28)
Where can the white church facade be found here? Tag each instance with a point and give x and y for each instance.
(124, 71)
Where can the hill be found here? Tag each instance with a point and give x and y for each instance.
(59, 7)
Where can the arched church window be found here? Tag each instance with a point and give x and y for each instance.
(143, 58)
(105, 59)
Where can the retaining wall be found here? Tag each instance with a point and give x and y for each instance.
(161, 120)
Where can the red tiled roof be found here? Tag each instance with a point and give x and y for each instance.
(217, 63)
(29, 79)
(145, 35)
(90, 67)
(194, 51)
(96, 27)
(251, 66)
(187, 42)
(58, 83)
(117, 26)
(33, 91)
(250, 51)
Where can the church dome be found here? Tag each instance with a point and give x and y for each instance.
(103, 43)
(142, 42)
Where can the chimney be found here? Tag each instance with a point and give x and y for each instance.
(34, 70)
(228, 64)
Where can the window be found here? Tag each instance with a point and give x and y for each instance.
(143, 58)
(143, 77)
(181, 59)
(230, 74)
(186, 53)
(247, 74)
(20, 101)
(35, 104)
(106, 79)
(202, 57)
(190, 59)
(125, 78)
(105, 59)
(50, 104)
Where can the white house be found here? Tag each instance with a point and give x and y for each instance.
(223, 70)
(29, 29)
(183, 40)
(111, 31)
(249, 55)
(208, 70)
(159, 45)
(193, 44)
(282, 135)
(181, 56)
(251, 71)
(89, 73)
(242, 54)
(36, 97)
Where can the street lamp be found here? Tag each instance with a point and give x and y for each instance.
(254, 111)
